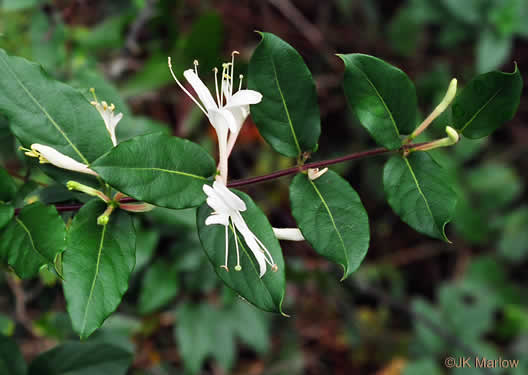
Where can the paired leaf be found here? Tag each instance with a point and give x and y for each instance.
(332, 219)
(158, 169)
(267, 292)
(42, 110)
(82, 358)
(97, 265)
(419, 191)
(488, 101)
(32, 239)
(382, 97)
(288, 116)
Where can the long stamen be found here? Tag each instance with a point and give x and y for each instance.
(270, 261)
(240, 77)
(238, 267)
(226, 250)
(195, 62)
(215, 70)
(225, 67)
(185, 90)
(92, 90)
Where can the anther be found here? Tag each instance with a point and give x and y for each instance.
(238, 268)
(225, 267)
(274, 268)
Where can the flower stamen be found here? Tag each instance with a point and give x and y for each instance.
(185, 90)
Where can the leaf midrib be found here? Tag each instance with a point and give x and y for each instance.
(420, 191)
(382, 101)
(156, 169)
(21, 223)
(96, 274)
(333, 223)
(480, 110)
(53, 122)
(275, 75)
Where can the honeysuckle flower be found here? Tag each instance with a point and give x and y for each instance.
(109, 117)
(228, 113)
(47, 154)
(288, 234)
(227, 208)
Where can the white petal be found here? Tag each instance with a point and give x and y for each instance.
(223, 119)
(60, 160)
(249, 238)
(288, 234)
(201, 89)
(230, 198)
(217, 219)
(244, 97)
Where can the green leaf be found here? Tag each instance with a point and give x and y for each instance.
(82, 358)
(487, 102)
(17, 5)
(7, 186)
(419, 191)
(164, 171)
(32, 239)
(382, 97)
(288, 116)
(201, 330)
(160, 285)
(332, 219)
(6, 213)
(42, 110)
(492, 50)
(11, 360)
(97, 265)
(267, 292)
(513, 243)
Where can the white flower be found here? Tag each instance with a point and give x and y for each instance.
(109, 117)
(228, 112)
(315, 173)
(47, 154)
(226, 210)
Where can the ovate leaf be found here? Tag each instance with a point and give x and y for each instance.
(11, 360)
(332, 219)
(42, 110)
(32, 239)
(82, 358)
(158, 169)
(288, 116)
(382, 97)
(97, 265)
(267, 292)
(419, 191)
(487, 102)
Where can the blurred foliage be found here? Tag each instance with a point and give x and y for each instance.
(176, 317)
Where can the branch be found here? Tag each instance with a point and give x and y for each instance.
(276, 174)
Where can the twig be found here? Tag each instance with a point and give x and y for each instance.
(277, 174)
(20, 303)
(144, 16)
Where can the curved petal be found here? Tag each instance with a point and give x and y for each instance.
(244, 97)
(249, 238)
(60, 160)
(230, 198)
(217, 219)
(223, 119)
(201, 89)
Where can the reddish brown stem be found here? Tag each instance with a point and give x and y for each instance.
(277, 174)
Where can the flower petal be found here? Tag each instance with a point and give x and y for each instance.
(217, 219)
(230, 198)
(201, 89)
(244, 97)
(249, 238)
(223, 119)
(60, 160)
